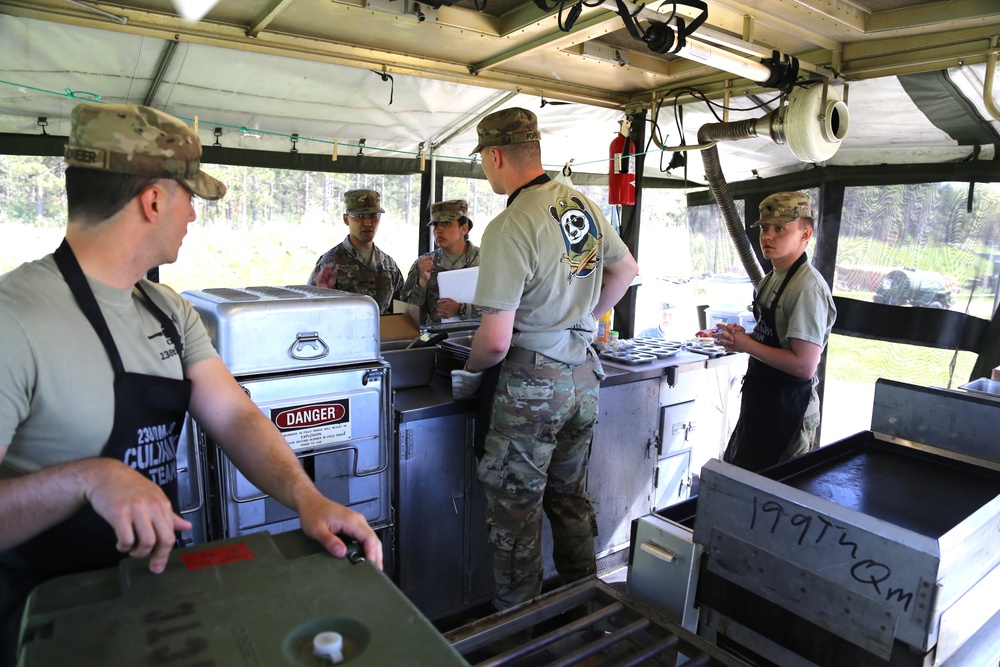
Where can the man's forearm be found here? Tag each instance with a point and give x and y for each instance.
(492, 339)
(35, 502)
(259, 451)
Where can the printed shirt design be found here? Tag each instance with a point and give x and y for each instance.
(580, 234)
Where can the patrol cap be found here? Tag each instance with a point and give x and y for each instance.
(134, 139)
(453, 209)
(507, 126)
(363, 201)
(784, 207)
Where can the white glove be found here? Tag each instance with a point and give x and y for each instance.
(465, 384)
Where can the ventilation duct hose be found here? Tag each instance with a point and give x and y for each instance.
(720, 189)
(813, 124)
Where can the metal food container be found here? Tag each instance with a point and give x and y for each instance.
(296, 327)
(984, 386)
(309, 358)
(886, 537)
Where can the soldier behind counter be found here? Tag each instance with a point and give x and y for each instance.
(357, 265)
(451, 225)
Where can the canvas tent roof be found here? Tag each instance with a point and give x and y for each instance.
(346, 70)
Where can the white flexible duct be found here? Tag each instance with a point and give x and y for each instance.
(813, 124)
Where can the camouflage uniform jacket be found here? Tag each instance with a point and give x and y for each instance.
(427, 297)
(382, 283)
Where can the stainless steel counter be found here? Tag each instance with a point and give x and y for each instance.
(683, 361)
(435, 400)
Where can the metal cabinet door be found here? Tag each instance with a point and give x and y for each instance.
(675, 426)
(431, 518)
(672, 482)
(622, 459)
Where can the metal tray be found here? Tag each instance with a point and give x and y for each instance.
(628, 358)
(660, 352)
(983, 386)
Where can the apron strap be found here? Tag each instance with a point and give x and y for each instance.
(169, 329)
(70, 268)
(77, 281)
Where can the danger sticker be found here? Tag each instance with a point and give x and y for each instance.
(314, 424)
(230, 553)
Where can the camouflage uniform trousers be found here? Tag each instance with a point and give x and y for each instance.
(535, 459)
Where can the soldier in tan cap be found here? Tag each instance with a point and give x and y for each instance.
(357, 265)
(549, 261)
(99, 366)
(451, 225)
(795, 313)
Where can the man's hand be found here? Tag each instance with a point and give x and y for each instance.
(138, 511)
(465, 384)
(733, 337)
(448, 308)
(321, 519)
(424, 265)
(327, 276)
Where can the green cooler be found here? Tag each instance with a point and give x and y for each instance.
(259, 600)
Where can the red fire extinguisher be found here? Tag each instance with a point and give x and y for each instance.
(621, 168)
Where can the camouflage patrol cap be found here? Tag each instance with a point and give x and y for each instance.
(133, 139)
(507, 126)
(453, 209)
(784, 207)
(358, 202)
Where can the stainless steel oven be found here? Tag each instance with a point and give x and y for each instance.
(309, 358)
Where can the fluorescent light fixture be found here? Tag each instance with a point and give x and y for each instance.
(193, 10)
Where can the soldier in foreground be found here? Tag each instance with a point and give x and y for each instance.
(549, 262)
(99, 366)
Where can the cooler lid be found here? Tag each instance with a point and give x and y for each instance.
(254, 600)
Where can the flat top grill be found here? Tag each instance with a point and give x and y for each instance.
(919, 492)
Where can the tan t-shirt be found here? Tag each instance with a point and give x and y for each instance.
(56, 381)
(544, 257)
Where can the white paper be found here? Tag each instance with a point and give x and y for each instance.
(459, 285)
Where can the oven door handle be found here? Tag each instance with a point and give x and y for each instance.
(198, 480)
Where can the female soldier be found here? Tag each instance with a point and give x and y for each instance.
(454, 251)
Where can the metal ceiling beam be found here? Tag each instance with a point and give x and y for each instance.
(554, 39)
(790, 18)
(841, 12)
(921, 53)
(265, 18)
(938, 14)
(927, 60)
(161, 68)
(461, 18)
(891, 45)
(521, 17)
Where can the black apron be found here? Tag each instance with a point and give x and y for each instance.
(773, 402)
(148, 417)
